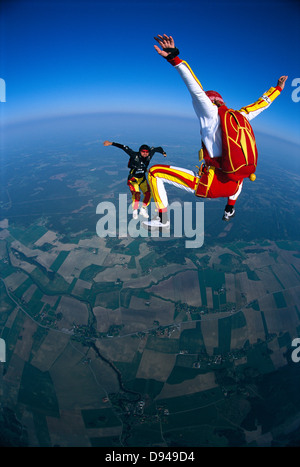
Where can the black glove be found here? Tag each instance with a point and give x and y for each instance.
(173, 52)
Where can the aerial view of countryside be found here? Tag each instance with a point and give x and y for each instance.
(141, 341)
(112, 335)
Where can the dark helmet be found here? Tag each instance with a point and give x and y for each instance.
(144, 147)
(213, 95)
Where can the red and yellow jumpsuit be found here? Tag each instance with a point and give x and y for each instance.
(211, 182)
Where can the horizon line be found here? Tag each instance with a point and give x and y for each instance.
(40, 119)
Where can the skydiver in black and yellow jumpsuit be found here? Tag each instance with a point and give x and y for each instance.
(138, 164)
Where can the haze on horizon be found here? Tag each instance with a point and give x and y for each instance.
(72, 57)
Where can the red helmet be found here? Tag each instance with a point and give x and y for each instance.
(213, 95)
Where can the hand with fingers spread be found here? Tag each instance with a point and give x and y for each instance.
(168, 46)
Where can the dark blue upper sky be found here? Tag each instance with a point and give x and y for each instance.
(69, 57)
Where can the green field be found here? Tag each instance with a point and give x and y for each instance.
(37, 391)
(101, 418)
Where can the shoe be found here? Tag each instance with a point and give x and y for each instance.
(156, 224)
(228, 215)
(135, 214)
(144, 212)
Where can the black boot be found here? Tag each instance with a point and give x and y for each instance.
(229, 212)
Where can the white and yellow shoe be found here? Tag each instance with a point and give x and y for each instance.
(144, 212)
(135, 214)
(156, 224)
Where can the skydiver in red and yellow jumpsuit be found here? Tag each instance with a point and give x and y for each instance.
(217, 177)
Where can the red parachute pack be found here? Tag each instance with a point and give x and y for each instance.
(239, 151)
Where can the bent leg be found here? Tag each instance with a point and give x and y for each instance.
(160, 174)
(135, 192)
(144, 186)
(229, 210)
(232, 199)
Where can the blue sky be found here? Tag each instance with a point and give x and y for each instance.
(73, 57)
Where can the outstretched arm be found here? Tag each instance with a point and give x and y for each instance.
(120, 146)
(202, 104)
(253, 110)
(160, 150)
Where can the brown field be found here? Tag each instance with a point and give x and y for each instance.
(260, 260)
(115, 272)
(74, 382)
(239, 337)
(73, 311)
(25, 341)
(115, 258)
(137, 320)
(15, 280)
(183, 287)
(50, 349)
(50, 299)
(209, 297)
(293, 295)
(103, 318)
(190, 386)
(48, 237)
(114, 317)
(79, 259)
(105, 377)
(252, 289)
(210, 334)
(269, 281)
(281, 320)
(156, 365)
(230, 287)
(286, 274)
(158, 309)
(255, 328)
(121, 349)
(27, 295)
